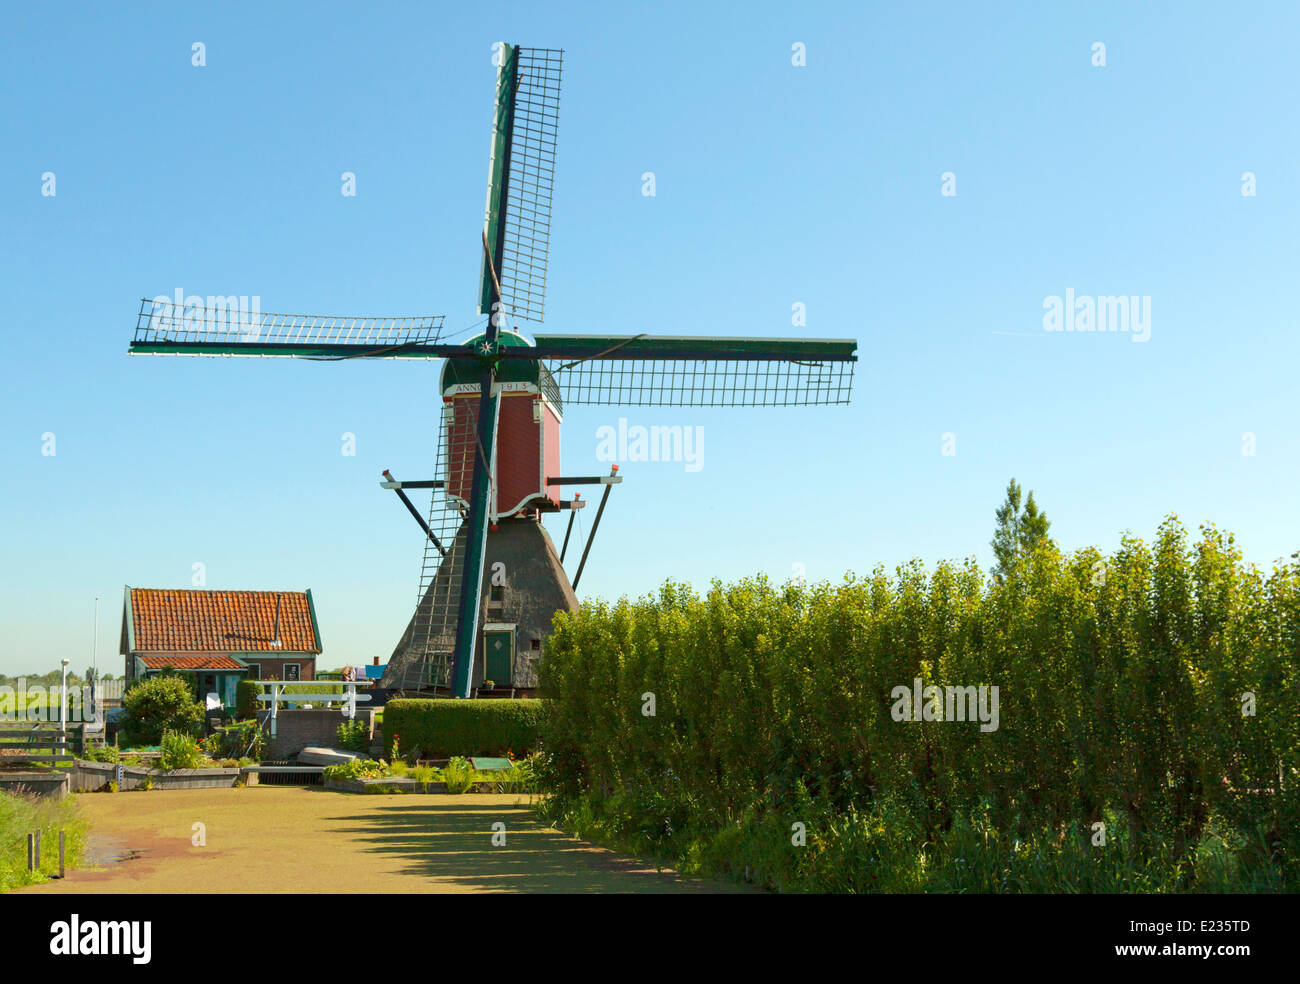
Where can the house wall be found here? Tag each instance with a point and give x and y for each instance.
(272, 667)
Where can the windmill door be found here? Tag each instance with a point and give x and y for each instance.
(498, 655)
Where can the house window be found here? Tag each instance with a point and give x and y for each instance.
(292, 671)
(537, 645)
(254, 671)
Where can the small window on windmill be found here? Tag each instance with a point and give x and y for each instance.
(537, 645)
(496, 594)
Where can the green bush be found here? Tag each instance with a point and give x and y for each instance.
(354, 736)
(1122, 684)
(358, 769)
(102, 753)
(189, 678)
(246, 703)
(163, 703)
(180, 751)
(458, 775)
(439, 728)
(243, 739)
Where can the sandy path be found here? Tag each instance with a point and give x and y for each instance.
(288, 839)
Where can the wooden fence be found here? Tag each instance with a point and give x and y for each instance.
(43, 743)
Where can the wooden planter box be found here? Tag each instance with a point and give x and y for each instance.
(398, 784)
(90, 777)
(42, 782)
(195, 779)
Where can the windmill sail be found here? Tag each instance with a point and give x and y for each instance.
(699, 372)
(163, 327)
(517, 225)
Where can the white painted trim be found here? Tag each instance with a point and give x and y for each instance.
(472, 389)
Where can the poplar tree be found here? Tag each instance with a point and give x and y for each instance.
(1019, 530)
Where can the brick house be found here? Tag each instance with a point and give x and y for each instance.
(220, 636)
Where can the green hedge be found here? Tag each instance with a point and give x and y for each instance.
(441, 728)
(1153, 690)
(246, 703)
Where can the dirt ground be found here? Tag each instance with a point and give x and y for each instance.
(267, 839)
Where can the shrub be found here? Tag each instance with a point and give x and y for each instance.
(246, 703)
(438, 728)
(354, 736)
(358, 769)
(102, 753)
(522, 776)
(160, 704)
(459, 775)
(1121, 684)
(189, 678)
(179, 751)
(242, 740)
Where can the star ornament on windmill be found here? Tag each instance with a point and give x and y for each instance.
(492, 578)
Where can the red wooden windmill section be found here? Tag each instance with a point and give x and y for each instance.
(527, 451)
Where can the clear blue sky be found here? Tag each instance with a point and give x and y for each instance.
(775, 185)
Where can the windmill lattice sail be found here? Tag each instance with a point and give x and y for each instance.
(163, 327)
(704, 383)
(529, 179)
(667, 371)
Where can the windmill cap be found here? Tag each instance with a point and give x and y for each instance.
(468, 369)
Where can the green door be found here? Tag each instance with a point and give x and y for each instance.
(498, 648)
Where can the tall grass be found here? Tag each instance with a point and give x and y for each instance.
(1122, 685)
(21, 815)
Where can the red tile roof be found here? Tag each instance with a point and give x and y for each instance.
(192, 662)
(199, 621)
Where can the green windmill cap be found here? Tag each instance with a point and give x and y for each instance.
(469, 370)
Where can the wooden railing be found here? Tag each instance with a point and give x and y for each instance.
(325, 693)
(42, 743)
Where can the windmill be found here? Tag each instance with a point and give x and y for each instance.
(503, 395)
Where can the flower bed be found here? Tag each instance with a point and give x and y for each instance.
(457, 776)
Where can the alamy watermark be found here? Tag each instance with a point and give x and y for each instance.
(233, 313)
(1085, 313)
(934, 703)
(39, 704)
(656, 443)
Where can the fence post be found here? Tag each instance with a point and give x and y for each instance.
(60, 853)
(31, 852)
(38, 848)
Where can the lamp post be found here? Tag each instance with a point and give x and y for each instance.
(63, 705)
(94, 663)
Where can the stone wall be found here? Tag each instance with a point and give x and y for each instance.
(299, 729)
